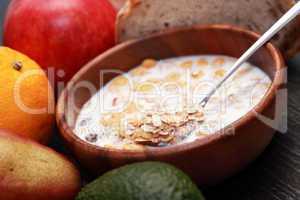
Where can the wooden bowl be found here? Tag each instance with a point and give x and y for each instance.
(208, 161)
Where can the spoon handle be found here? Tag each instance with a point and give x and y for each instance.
(282, 22)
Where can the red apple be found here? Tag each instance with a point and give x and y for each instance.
(64, 34)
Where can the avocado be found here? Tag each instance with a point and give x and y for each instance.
(142, 181)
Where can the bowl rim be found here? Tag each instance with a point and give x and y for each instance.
(211, 139)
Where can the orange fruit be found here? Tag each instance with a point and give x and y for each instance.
(26, 97)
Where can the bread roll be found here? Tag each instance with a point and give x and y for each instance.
(140, 18)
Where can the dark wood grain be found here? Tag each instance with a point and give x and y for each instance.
(276, 174)
(273, 176)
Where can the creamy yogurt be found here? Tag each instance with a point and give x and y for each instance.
(156, 103)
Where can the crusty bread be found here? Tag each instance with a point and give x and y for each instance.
(140, 18)
(118, 4)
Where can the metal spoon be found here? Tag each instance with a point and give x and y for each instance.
(282, 22)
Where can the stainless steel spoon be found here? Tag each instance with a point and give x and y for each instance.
(282, 22)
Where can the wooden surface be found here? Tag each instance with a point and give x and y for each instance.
(276, 174)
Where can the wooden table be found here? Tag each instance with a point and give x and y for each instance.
(275, 175)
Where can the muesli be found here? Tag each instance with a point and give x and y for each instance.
(156, 103)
